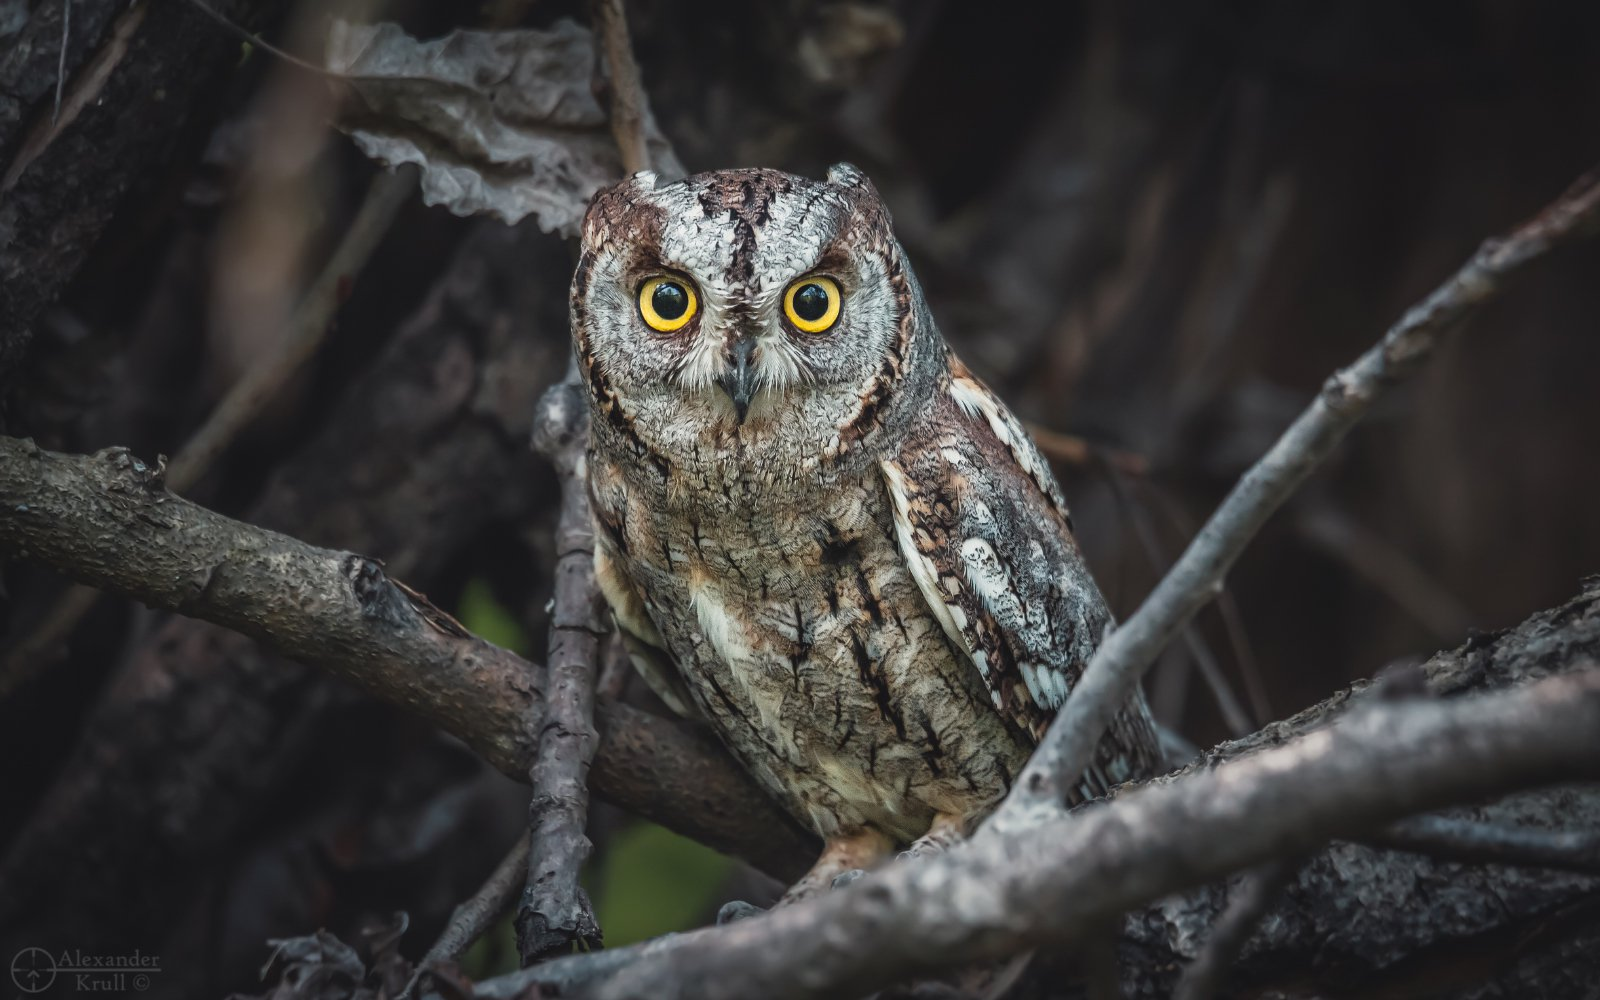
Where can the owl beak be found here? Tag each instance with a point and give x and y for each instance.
(739, 380)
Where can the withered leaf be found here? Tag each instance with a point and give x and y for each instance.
(503, 123)
(314, 967)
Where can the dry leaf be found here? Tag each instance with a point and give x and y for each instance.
(502, 123)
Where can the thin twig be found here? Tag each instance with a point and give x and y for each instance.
(555, 912)
(627, 93)
(242, 403)
(473, 918)
(246, 35)
(308, 328)
(61, 60)
(1115, 670)
(88, 84)
(1254, 895)
(1470, 842)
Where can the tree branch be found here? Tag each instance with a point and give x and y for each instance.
(245, 399)
(473, 918)
(1114, 672)
(102, 520)
(1308, 943)
(107, 521)
(627, 104)
(1467, 842)
(555, 912)
(1050, 879)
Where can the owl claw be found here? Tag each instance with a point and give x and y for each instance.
(737, 910)
(845, 878)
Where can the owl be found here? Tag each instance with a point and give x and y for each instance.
(817, 530)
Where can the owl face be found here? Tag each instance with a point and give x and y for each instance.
(740, 298)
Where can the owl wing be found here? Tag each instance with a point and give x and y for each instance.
(984, 530)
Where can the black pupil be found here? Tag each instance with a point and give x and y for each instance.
(669, 300)
(811, 302)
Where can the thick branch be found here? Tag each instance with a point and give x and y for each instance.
(555, 912)
(1122, 659)
(245, 399)
(107, 521)
(1050, 879)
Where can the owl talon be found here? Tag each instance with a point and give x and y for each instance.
(737, 910)
(844, 879)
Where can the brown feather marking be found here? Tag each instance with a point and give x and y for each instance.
(933, 475)
(872, 676)
(891, 374)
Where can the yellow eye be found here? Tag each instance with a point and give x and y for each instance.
(667, 303)
(812, 304)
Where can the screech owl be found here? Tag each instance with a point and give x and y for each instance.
(816, 529)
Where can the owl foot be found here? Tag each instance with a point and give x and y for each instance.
(946, 831)
(846, 878)
(849, 854)
(736, 910)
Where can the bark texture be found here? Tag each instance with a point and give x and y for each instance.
(1354, 921)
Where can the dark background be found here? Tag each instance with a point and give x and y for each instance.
(1156, 227)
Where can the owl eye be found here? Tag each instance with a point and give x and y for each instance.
(667, 303)
(812, 304)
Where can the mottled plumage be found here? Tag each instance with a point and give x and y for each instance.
(837, 547)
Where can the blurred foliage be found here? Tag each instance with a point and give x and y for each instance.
(483, 614)
(652, 881)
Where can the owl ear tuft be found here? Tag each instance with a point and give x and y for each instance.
(846, 175)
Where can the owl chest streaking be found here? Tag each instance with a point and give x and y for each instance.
(816, 529)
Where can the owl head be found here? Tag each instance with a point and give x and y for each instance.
(743, 299)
